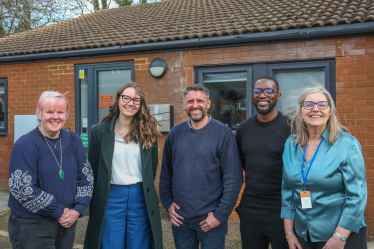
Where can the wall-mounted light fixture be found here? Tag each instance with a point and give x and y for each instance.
(157, 68)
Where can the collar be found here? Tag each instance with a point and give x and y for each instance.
(113, 123)
(326, 135)
(190, 126)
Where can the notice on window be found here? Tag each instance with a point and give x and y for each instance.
(84, 123)
(84, 139)
(81, 74)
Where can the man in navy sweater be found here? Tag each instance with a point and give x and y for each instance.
(201, 175)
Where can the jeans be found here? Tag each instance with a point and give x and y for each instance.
(39, 233)
(188, 236)
(126, 223)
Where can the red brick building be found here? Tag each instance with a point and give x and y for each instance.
(223, 44)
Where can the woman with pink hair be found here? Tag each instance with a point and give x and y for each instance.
(50, 180)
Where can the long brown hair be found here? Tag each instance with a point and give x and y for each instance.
(143, 124)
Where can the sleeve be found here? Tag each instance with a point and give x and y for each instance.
(232, 172)
(354, 178)
(154, 158)
(23, 181)
(239, 143)
(85, 179)
(166, 176)
(288, 209)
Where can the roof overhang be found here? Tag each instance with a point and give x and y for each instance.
(201, 43)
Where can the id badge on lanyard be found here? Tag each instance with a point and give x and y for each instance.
(306, 200)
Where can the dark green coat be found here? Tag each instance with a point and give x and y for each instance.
(100, 157)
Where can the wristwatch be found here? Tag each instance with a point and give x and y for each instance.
(343, 238)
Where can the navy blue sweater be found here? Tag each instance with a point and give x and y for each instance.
(201, 171)
(35, 186)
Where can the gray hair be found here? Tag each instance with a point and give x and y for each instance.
(196, 87)
(299, 127)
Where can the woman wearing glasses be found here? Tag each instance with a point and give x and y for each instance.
(123, 152)
(324, 189)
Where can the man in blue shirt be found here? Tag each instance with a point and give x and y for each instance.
(201, 175)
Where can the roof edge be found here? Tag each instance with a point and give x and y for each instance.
(200, 43)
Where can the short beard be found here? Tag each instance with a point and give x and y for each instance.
(203, 114)
(267, 111)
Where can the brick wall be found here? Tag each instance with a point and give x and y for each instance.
(354, 87)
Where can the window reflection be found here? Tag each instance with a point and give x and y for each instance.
(228, 96)
(292, 80)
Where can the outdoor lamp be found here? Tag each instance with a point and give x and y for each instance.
(157, 68)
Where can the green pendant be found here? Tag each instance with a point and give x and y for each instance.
(62, 174)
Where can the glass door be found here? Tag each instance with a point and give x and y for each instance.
(96, 87)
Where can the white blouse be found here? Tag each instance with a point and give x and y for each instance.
(126, 163)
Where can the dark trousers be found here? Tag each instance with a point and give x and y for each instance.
(354, 241)
(39, 233)
(259, 227)
(188, 236)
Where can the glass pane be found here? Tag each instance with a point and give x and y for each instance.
(108, 83)
(291, 80)
(228, 96)
(2, 105)
(83, 82)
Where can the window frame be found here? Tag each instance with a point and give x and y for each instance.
(256, 70)
(4, 130)
(200, 71)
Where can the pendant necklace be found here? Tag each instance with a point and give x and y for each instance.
(55, 145)
(313, 147)
(61, 173)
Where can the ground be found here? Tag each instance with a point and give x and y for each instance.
(232, 238)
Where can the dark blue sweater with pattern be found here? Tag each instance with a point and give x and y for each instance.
(35, 185)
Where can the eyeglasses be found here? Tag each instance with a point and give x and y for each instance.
(267, 92)
(127, 99)
(322, 105)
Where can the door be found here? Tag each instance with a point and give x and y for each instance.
(95, 88)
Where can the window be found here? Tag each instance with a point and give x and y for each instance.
(228, 93)
(230, 87)
(3, 107)
(95, 88)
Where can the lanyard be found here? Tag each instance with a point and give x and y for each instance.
(302, 164)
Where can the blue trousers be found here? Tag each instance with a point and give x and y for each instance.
(188, 236)
(126, 224)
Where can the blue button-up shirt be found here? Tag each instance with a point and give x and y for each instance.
(337, 185)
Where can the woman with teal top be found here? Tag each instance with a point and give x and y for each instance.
(324, 190)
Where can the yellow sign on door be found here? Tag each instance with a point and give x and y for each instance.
(81, 74)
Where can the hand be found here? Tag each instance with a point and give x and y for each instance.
(69, 219)
(334, 243)
(293, 243)
(174, 217)
(209, 223)
(66, 210)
